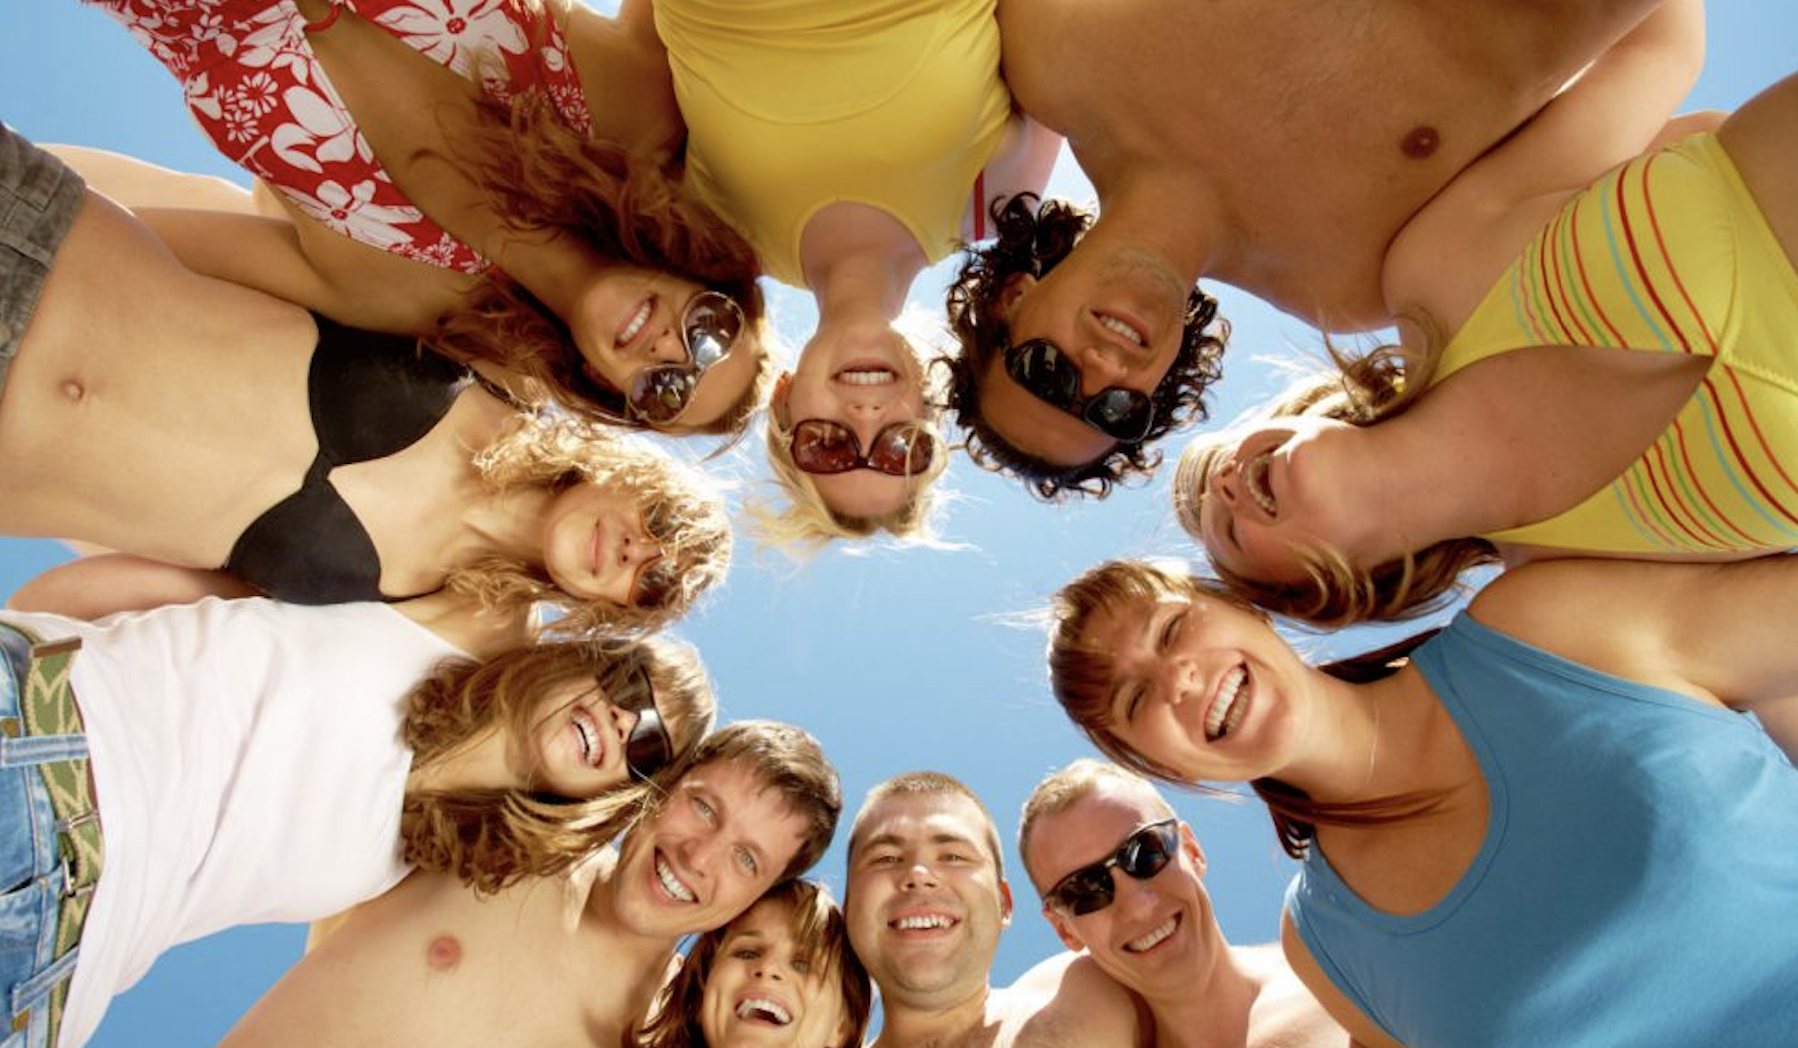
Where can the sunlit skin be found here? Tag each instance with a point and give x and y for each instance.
(862, 375)
(1289, 486)
(925, 904)
(1119, 318)
(720, 840)
(618, 338)
(759, 972)
(578, 747)
(595, 546)
(1158, 936)
(1177, 662)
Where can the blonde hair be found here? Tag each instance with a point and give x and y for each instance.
(492, 837)
(817, 926)
(680, 508)
(1362, 391)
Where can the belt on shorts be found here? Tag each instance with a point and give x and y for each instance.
(47, 707)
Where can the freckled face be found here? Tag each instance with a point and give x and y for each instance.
(595, 546)
(766, 990)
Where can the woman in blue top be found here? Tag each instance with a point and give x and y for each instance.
(1549, 826)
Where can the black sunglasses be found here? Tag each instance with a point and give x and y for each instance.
(1090, 889)
(647, 749)
(902, 449)
(709, 328)
(1051, 376)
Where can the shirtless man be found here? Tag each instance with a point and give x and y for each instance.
(926, 902)
(433, 965)
(1276, 147)
(1099, 839)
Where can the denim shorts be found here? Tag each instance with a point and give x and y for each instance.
(32, 872)
(39, 196)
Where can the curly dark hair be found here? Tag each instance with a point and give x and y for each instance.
(1034, 240)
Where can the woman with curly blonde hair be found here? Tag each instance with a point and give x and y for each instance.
(509, 169)
(201, 766)
(232, 442)
(782, 967)
(1605, 369)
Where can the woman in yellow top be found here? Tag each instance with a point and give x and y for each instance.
(1624, 389)
(853, 142)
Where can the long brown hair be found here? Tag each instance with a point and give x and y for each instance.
(542, 175)
(1080, 677)
(492, 837)
(815, 921)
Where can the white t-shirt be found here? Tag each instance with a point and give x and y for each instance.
(248, 765)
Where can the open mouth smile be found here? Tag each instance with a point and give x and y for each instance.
(1230, 705)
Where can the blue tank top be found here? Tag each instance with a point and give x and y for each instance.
(1637, 886)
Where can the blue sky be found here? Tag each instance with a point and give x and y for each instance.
(896, 659)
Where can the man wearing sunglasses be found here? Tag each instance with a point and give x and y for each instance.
(925, 903)
(1121, 877)
(1278, 149)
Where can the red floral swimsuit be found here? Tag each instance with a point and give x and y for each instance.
(260, 94)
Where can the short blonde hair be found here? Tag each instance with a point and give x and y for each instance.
(681, 508)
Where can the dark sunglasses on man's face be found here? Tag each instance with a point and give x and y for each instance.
(1090, 889)
(648, 748)
(709, 328)
(902, 449)
(1052, 377)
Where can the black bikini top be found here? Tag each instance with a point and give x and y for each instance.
(371, 395)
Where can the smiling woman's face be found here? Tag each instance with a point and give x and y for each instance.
(595, 546)
(765, 989)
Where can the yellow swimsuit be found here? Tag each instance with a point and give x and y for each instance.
(794, 104)
(1668, 254)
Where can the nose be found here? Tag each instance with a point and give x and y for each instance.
(1176, 680)
(920, 875)
(638, 548)
(1102, 366)
(766, 967)
(1226, 482)
(668, 347)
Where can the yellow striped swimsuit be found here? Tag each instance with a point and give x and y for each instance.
(1669, 254)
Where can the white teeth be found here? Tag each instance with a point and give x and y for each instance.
(1254, 479)
(1226, 711)
(867, 376)
(1114, 324)
(1154, 938)
(927, 920)
(764, 1009)
(671, 884)
(584, 728)
(629, 331)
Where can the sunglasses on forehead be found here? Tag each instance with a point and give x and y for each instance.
(709, 329)
(647, 749)
(1051, 376)
(902, 449)
(1090, 889)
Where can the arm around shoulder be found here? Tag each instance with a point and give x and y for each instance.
(94, 587)
(1073, 1002)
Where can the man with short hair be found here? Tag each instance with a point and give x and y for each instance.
(1278, 147)
(1121, 878)
(432, 964)
(926, 901)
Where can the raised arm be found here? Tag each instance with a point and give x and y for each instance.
(1021, 164)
